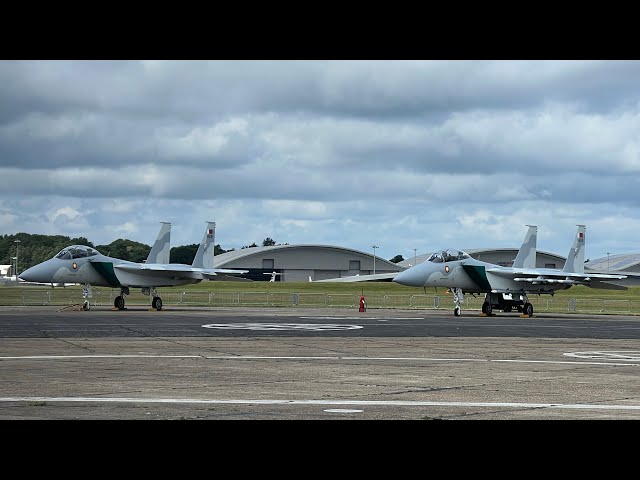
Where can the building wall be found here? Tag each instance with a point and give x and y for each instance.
(297, 263)
(298, 275)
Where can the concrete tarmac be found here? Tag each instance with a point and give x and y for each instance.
(272, 363)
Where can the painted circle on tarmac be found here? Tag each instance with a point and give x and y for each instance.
(360, 318)
(315, 327)
(630, 356)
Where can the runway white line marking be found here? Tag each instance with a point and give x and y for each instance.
(395, 403)
(67, 357)
(258, 357)
(271, 357)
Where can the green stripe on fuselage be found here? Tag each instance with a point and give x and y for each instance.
(478, 275)
(106, 270)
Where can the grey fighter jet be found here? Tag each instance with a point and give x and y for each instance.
(85, 265)
(506, 288)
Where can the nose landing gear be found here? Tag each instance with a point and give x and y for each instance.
(458, 298)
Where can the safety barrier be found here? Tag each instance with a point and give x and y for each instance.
(102, 296)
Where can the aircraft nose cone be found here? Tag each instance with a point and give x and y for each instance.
(27, 275)
(35, 274)
(408, 277)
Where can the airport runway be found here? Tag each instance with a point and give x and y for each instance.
(270, 363)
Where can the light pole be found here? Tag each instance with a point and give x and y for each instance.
(17, 242)
(608, 253)
(374, 258)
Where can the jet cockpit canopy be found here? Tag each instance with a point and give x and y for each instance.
(76, 251)
(448, 255)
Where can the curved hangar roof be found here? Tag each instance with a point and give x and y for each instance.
(625, 262)
(299, 262)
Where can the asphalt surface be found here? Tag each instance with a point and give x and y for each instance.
(270, 363)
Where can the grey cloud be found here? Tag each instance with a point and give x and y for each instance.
(203, 90)
(405, 153)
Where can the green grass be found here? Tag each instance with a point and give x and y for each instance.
(309, 294)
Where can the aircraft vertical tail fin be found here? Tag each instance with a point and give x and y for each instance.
(526, 257)
(161, 249)
(205, 253)
(575, 258)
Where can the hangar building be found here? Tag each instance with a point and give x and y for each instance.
(627, 262)
(296, 263)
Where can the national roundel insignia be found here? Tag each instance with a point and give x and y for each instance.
(74, 265)
(446, 268)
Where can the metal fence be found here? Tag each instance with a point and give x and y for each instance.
(105, 297)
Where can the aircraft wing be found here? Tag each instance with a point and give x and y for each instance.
(378, 277)
(627, 278)
(548, 276)
(175, 270)
(209, 273)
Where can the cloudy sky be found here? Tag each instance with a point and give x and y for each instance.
(400, 154)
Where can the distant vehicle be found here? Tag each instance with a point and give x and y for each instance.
(506, 288)
(87, 266)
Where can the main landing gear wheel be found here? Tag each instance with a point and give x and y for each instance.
(456, 311)
(486, 308)
(119, 302)
(86, 305)
(528, 309)
(157, 303)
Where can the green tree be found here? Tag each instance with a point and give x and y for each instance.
(397, 259)
(267, 242)
(184, 254)
(126, 250)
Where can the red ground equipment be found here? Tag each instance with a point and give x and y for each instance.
(363, 305)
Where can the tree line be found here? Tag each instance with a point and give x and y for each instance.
(34, 248)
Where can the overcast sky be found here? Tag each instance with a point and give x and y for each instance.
(400, 154)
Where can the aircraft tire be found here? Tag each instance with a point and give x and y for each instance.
(528, 309)
(486, 308)
(86, 306)
(456, 311)
(157, 303)
(119, 302)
